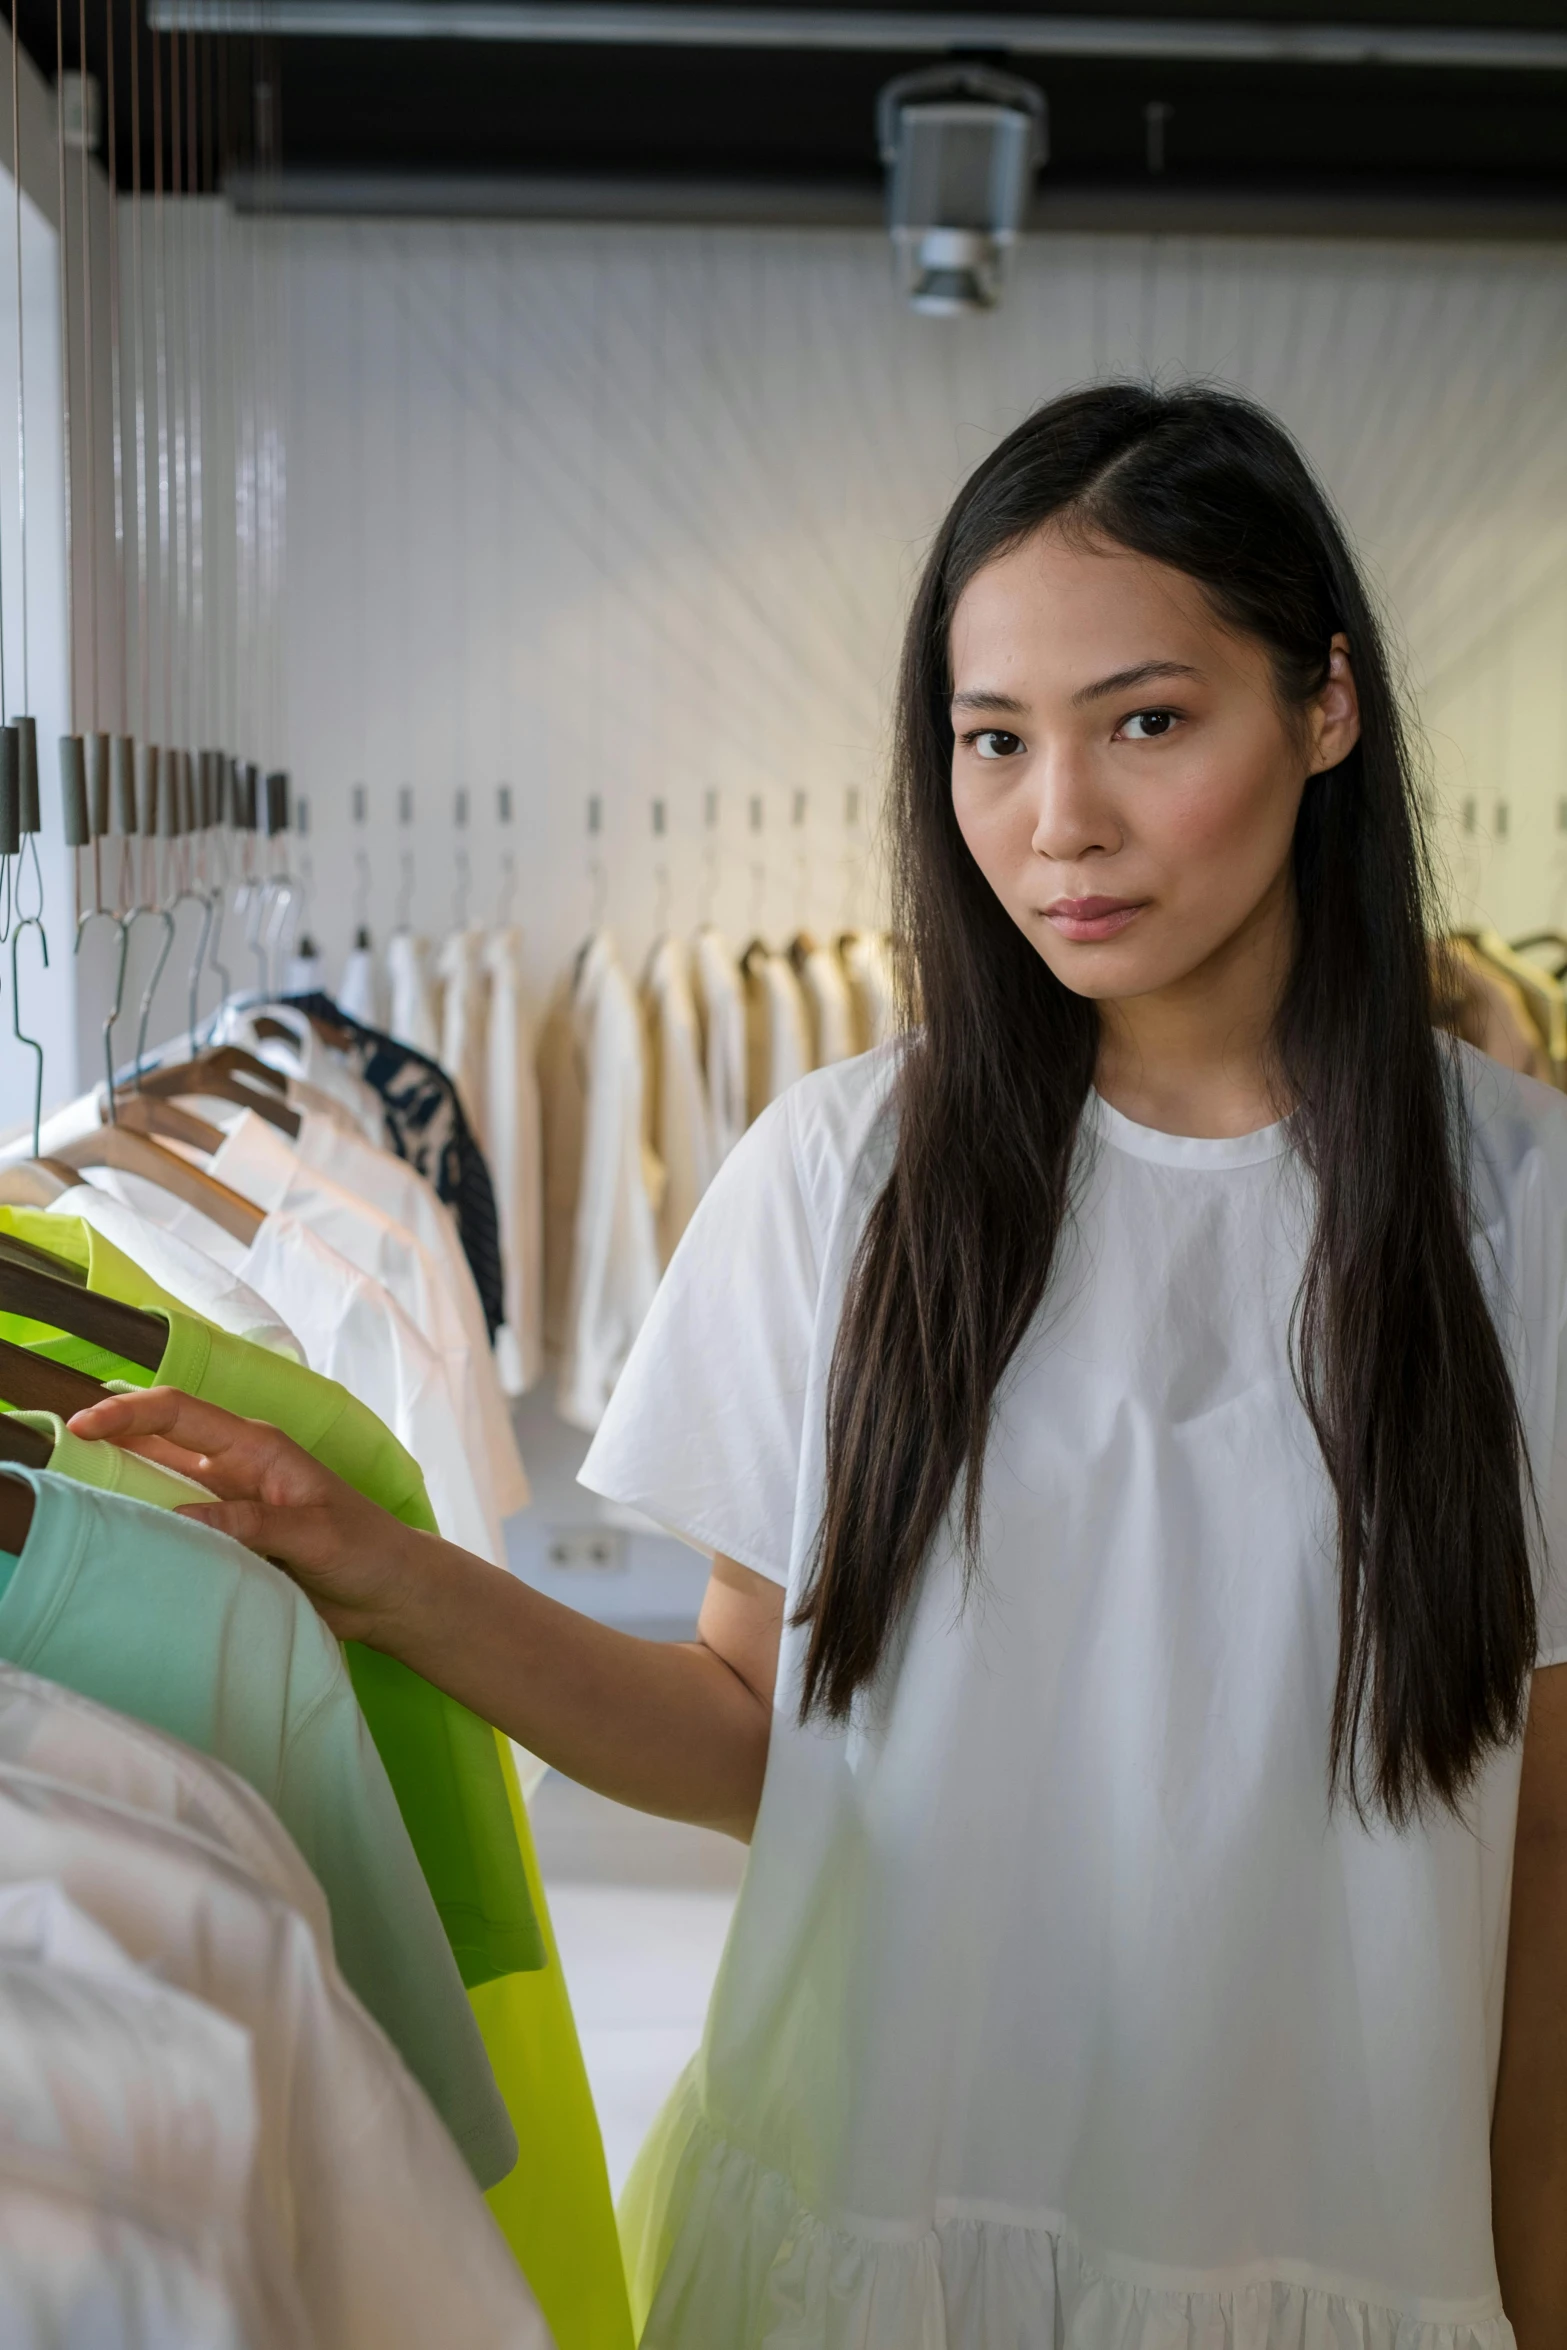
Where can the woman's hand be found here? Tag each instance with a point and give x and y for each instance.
(354, 1562)
(672, 1726)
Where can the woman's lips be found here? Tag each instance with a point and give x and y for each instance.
(1086, 919)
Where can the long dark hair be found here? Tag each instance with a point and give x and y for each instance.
(1397, 1359)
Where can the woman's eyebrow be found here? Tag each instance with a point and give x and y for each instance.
(1124, 679)
(981, 698)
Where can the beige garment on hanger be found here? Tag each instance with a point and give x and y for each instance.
(513, 1146)
(868, 969)
(777, 1027)
(601, 1263)
(719, 994)
(460, 968)
(676, 1122)
(1543, 996)
(1484, 1006)
(829, 1002)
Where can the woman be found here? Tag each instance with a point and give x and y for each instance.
(1125, 1421)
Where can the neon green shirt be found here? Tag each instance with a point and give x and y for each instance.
(440, 1758)
(554, 2207)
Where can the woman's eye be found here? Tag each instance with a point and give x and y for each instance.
(995, 743)
(1147, 726)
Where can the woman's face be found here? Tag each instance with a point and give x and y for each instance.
(1122, 770)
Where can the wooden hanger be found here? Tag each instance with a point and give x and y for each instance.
(144, 1113)
(22, 1252)
(276, 1031)
(36, 1183)
(28, 1446)
(16, 1499)
(37, 1383)
(202, 1076)
(220, 1060)
(99, 1321)
(138, 1154)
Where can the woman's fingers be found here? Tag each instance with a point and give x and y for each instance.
(236, 1458)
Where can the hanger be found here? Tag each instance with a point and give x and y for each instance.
(139, 1154)
(22, 1252)
(37, 1383)
(1544, 938)
(275, 1031)
(98, 914)
(146, 1113)
(197, 1075)
(217, 1074)
(29, 922)
(36, 1183)
(28, 1446)
(16, 1499)
(51, 1296)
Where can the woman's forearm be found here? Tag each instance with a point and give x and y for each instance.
(666, 1726)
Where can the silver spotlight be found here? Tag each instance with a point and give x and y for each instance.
(962, 145)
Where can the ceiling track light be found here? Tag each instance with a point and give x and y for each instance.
(962, 145)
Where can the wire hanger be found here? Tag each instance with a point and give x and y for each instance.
(98, 914)
(29, 922)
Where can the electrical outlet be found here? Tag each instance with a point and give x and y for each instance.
(586, 1550)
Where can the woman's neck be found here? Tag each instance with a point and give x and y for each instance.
(1194, 1058)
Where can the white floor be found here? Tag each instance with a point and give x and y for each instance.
(641, 1908)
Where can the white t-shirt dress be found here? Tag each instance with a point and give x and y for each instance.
(1060, 2010)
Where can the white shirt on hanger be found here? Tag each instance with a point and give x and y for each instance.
(257, 1161)
(186, 1270)
(464, 1012)
(358, 991)
(1059, 2006)
(513, 1145)
(411, 1017)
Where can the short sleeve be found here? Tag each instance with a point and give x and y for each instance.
(704, 1429)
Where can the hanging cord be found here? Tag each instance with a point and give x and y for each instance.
(177, 659)
(139, 373)
(65, 370)
(197, 717)
(90, 397)
(21, 371)
(161, 367)
(116, 396)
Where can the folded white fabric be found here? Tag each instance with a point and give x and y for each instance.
(390, 2244)
(86, 2265)
(140, 2087)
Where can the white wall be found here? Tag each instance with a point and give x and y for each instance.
(634, 513)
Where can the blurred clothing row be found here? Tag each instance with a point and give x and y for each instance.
(1506, 1000)
(645, 1089)
(379, 2041)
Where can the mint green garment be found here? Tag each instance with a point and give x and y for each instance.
(165, 1620)
(441, 1759)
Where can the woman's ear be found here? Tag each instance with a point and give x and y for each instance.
(1334, 725)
